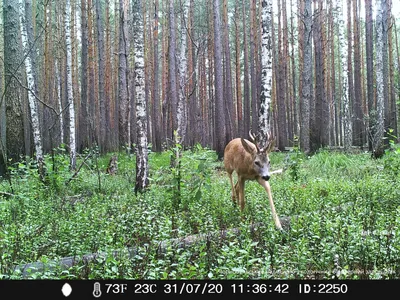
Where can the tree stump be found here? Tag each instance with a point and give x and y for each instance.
(112, 165)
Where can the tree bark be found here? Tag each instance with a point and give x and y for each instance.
(156, 123)
(14, 146)
(101, 77)
(123, 99)
(358, 132)
(253, 77)
(306, 86)
(142, 167)
(220, 131)
(37, 134)
(70, 97)
(239, 96)
(264, 126)
(246, 88)
(182, 102)
(377, 139)
(347, 124)
(369, 44)
(83, 116)
(172, 69)
(230, 111)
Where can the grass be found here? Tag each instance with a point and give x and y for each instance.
(346, 226)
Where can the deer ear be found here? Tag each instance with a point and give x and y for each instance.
(246, 146)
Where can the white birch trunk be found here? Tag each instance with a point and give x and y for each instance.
(37, 139)
(347, 124)
(60, 115)
(142, 168)
(380, 83)
(181, 113)
(266, 71)
(72, 143)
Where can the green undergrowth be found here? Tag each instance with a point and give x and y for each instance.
(344, 214)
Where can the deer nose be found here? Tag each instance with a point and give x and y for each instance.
(266, 178)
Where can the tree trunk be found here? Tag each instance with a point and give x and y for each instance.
(264, 126)
(320, 125)
(306, 75)
(83, 116)
(370, 70)
(230, 111)
(14, 146)
(281, 87)
(70, 97)
(239, 100)
(392, 89)
(37, 134)
(253, 77)
(377, 139)
(142, 167)
(246, 88)
(59, 102)
(182, 102)
(358, 132)
(347, 124)
(93, 125)
(385, 63)
(123, 99)
(100, 53)
(156, 123)
(220, 133)
(172, 69)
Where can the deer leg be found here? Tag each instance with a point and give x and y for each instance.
(267, 187)
(237, 190)
(240, 184)
(234, 194)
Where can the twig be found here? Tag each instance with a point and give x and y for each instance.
(6, 194)
(280, 171)
(77, 171)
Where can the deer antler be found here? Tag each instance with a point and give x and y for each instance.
(253, 138)
(270, 142)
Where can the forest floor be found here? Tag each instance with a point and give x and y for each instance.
(347, 223)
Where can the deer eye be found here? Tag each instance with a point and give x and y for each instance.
(257, 163)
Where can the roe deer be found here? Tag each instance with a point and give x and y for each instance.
(251, 162)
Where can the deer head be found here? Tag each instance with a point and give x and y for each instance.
(259, 156)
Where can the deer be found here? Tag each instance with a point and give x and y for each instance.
(251, 162)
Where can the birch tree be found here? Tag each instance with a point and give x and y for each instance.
(72, 146)
(347, 124)
(266, 71)
(181, 113)
(142, 168)
(37, 136)
(380, 82)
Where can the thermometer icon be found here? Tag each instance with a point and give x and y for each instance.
(96, 290)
